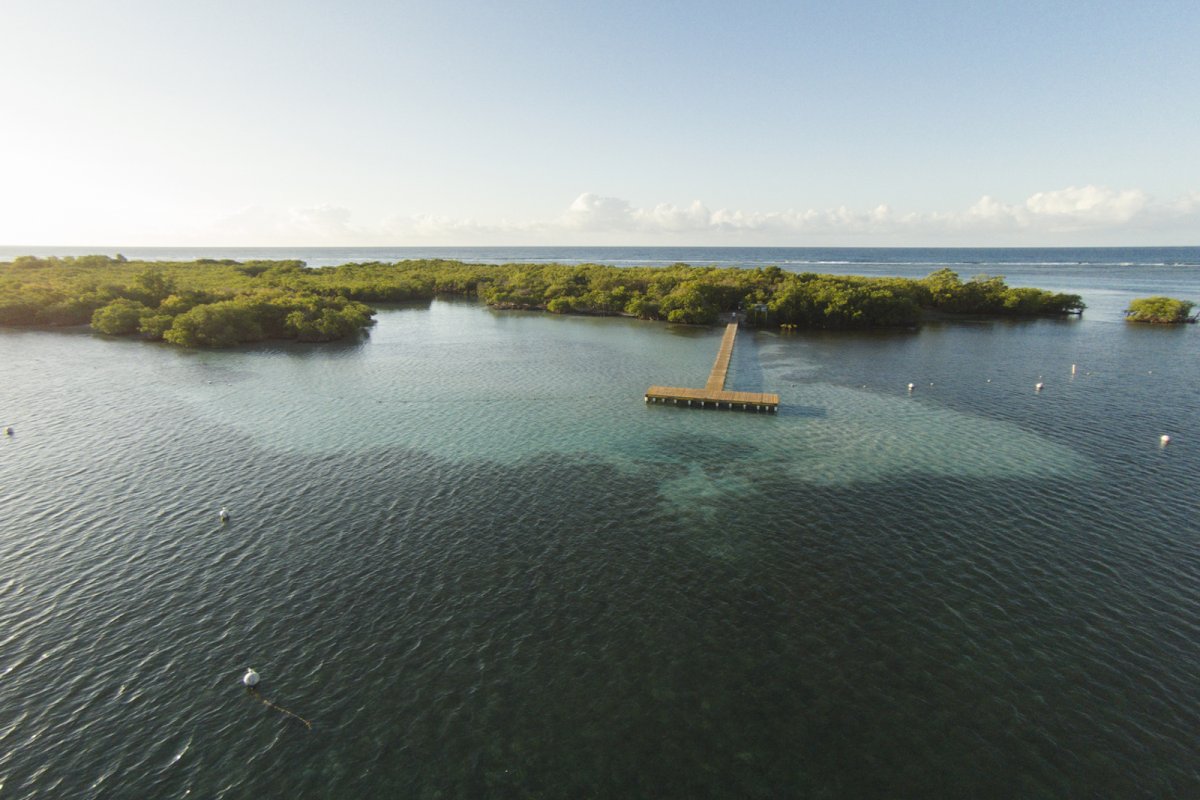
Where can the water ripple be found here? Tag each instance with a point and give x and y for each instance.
(971, 590)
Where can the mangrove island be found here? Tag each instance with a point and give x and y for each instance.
(1160, 310)
(221, 303)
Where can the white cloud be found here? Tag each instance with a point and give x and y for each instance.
(1088, 213)
(668, 217)
(591, 212)
(1087, 205)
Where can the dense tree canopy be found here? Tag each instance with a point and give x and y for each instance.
(1160, 310)
(218, 303)
(120, 317)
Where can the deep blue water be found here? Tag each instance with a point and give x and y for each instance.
(481, 566)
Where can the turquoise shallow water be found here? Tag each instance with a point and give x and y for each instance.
(468, 552)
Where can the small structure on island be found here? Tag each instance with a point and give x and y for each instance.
(714, 394)
(250, 679)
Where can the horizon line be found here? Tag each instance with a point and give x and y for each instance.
(595, 247)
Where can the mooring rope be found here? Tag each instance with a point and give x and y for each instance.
(280, 709)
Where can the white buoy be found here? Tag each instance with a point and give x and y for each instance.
(1038, 386)
(250, 679)
(223, 514)
(1072, 369)
(8, 431)
(910, 387)
(1164, 440)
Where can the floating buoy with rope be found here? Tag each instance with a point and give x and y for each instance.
(251, 679)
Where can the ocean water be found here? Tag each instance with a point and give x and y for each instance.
(479, 565)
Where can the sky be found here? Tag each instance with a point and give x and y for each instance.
(134, 122)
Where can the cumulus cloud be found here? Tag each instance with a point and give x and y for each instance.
(1087, 205)
(591, 212)
(1083, 209)
(1087, 212)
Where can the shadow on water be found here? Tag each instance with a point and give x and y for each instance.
(410, 305)
(1143, 329)
(1002, 323)
(803, 336)
(289, 347)
(806, 412)
(693, 331)
(341, 347)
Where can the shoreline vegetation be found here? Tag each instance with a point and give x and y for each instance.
(222, 303)
(1160, 310)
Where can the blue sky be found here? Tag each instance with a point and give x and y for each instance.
(373, 123)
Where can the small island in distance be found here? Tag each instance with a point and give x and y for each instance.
(222, 303)
(1160, 310)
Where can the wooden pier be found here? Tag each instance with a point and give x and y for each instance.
(713, 395)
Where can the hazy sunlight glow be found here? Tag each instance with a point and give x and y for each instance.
(372, 123)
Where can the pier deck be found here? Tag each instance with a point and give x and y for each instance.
(716, 378)
(714, 390)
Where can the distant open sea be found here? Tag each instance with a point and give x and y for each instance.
(799, 258)
(467, 552)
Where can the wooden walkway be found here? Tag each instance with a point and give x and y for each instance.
(716, 378)
(714, 391)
